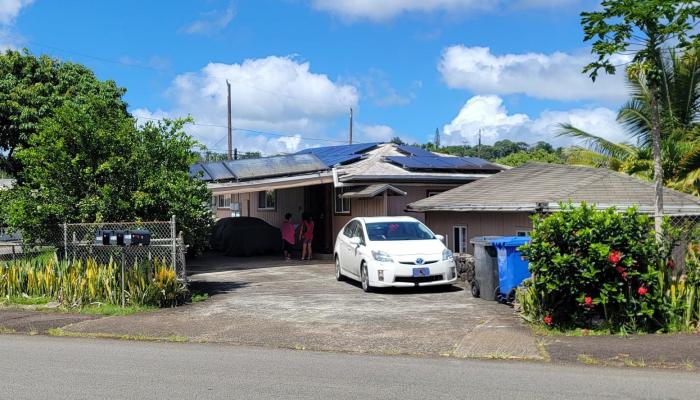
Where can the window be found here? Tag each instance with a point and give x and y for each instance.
(342, 205)
(267, 200)
(431, 193)
(388, 231)
(223, 201)
(349, 228)
(459, 235)
(235, 209)
(522, 232)
(359, 233)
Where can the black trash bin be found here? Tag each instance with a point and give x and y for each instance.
(485, 283)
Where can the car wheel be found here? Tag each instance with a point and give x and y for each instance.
(475, 289)
(364, 278)
(338, 275)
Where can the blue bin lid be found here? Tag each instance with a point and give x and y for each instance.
(511, 241)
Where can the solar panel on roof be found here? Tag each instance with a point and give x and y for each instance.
(275, 166)
(434, 162)
(414, 151)
(197, 171)
(333, 155)
(217, 171)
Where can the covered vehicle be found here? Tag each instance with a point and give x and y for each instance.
(392, 252)
(245, 236)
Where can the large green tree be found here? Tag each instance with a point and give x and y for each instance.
(642, 29)
(88, 162)
(32, 88)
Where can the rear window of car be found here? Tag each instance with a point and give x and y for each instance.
(402, 230)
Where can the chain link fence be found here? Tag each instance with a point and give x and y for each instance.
(688, 227)
(84, 241)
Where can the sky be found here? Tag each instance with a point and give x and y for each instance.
(510, 69)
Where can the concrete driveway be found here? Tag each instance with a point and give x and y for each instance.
(263, 301)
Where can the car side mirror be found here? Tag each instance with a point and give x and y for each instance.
(355, 241)
(440, 238)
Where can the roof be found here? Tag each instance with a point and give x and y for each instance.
(256, 168)
(355, 192)
(362, 163)
(537, 186)
(379, 165)
(7, 183)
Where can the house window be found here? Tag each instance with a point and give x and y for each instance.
(342, 205)
(522, 232)
(223, 201)
(459, 237)
(235, 209)
(267, 200)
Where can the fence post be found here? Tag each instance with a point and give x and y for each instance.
(123, 262)
(65, 241)
(173, 239)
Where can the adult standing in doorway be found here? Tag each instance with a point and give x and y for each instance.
(287, 236)
(306, 235)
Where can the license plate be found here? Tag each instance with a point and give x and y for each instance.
(419, 272)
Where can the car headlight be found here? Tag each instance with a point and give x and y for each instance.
(381, 256)
(446, 255)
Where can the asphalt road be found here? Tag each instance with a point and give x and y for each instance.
(68, 368)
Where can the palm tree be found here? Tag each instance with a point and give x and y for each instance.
(679, 116)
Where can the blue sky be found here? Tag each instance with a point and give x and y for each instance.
(510, 68)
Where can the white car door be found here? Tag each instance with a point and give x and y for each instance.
(345, 248)
(357, 251)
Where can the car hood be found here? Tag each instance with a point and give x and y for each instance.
(410, 247)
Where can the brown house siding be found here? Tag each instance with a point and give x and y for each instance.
(288, 200)
(478, 224)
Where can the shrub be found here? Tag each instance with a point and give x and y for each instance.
(79, 283)
(593, 268)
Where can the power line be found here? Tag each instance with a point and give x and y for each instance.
(291, 135)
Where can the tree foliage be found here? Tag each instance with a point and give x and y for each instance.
(88, 162)
(32, 88)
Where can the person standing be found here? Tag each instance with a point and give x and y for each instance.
(287, 236)
(306, 235)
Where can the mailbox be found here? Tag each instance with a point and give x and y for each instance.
(136, 237)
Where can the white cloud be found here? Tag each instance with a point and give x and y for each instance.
(211, 21)
(488, 115)
(387, 9)
(9, 9)
(556, 76)
(374, 133)
(272, 94)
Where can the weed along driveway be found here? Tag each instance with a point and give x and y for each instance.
(266, 302)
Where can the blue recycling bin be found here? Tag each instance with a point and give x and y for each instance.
(512, 267)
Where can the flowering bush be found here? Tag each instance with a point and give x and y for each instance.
(593, 268)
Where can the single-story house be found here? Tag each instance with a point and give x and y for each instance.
(6, 184)
(503, 204)
(336, 183)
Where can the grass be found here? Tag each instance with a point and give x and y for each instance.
(635, 363)
(4, 330)
(541, 330)
(588, 360)
(25, 300)
(111, 309)
(62, 333)
(199, 297)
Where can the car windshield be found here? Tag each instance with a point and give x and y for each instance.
(400, 230)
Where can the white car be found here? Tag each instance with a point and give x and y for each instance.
(392, 252)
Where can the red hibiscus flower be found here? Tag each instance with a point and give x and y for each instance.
(614, 257)
(588, 301)
(547, 320)
(670, 264)
(642, 291)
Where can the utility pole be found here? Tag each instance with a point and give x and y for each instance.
(437, 138)
(478, 151)
(350, 139)
(230, 129)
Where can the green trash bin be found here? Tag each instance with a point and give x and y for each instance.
(485, 283)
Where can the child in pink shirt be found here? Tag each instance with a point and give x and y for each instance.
(287, 236)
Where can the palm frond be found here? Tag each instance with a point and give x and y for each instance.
(597, 144)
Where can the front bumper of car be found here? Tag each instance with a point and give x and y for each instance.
(396, 274)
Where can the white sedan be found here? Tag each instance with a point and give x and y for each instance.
(392, 251)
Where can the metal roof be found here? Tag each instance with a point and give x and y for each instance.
(537, 186)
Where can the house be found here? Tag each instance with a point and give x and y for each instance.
(6, 184)
(503, 204)
(335, 183)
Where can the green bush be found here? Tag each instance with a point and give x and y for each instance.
(596, 268)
